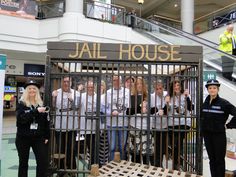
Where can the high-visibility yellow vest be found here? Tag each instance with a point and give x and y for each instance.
(226, 42)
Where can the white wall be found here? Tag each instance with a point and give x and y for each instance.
(32, 35)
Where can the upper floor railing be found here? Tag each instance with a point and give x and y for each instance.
(167, 21)
(112, 13)
(165, 34)
(215, 19)
(49, 9)
(105, 12)
(204, 23)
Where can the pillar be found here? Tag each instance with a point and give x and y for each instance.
(187, 15)
(74, 6)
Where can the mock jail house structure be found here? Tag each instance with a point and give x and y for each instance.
(142, 101)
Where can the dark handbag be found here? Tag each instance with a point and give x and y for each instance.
(234, 52)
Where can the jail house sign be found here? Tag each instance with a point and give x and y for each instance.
(134, 52)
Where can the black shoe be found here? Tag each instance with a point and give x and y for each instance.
(72, 175)
(62, 174)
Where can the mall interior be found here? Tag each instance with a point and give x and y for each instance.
(28, 25)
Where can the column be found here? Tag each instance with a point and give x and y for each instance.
(187, 15)
(74, 6)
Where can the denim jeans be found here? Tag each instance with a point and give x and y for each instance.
(121, 141)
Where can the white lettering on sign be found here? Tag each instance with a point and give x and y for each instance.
(36, 74)
(10, 3)
(210, 76)
(232, 16)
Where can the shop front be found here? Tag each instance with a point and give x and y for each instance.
(16, 75)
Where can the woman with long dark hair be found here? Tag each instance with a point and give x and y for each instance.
(138, 122)
(179, 121)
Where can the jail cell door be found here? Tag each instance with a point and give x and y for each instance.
(75, 117)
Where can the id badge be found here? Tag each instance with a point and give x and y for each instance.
(34, 126)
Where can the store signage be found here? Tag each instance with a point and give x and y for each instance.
(12, 66)
(10, 5)
(32, 70)
(2, 63)
(209, 75)
(223, 19)
(9, 89)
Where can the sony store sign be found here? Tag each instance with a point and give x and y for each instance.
(32, 70)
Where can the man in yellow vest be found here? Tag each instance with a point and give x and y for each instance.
(228, 45)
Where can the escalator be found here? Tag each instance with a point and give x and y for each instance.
(164, 34)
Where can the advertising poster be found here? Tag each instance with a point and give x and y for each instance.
(223, 19)
(19, 8)
(2, 80)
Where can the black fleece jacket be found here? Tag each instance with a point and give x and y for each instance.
(26, 116)
(216, 113)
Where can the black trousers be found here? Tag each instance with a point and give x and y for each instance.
(136, 157)
(160, 147)
(177, 143)
(40, 150)
(66, 143)
(227, 67)
(216, 149)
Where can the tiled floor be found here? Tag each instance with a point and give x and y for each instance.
(10, 158)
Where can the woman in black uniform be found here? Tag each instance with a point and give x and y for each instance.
(215, 112)
(32, 130)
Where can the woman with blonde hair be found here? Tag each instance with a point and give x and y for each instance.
(32, 130)
(103, 87)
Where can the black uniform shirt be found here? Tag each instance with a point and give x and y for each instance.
(216, 113)
(26, 116)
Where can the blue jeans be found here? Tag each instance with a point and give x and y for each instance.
(122, 140)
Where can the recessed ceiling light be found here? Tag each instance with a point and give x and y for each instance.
(176, 5)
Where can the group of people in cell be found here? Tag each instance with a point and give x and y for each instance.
(126, 114)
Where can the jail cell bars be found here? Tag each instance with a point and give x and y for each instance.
(145, 111)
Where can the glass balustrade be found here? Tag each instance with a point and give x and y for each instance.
(212, 56)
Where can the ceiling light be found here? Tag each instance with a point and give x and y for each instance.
(176, 5)
(140, 1)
